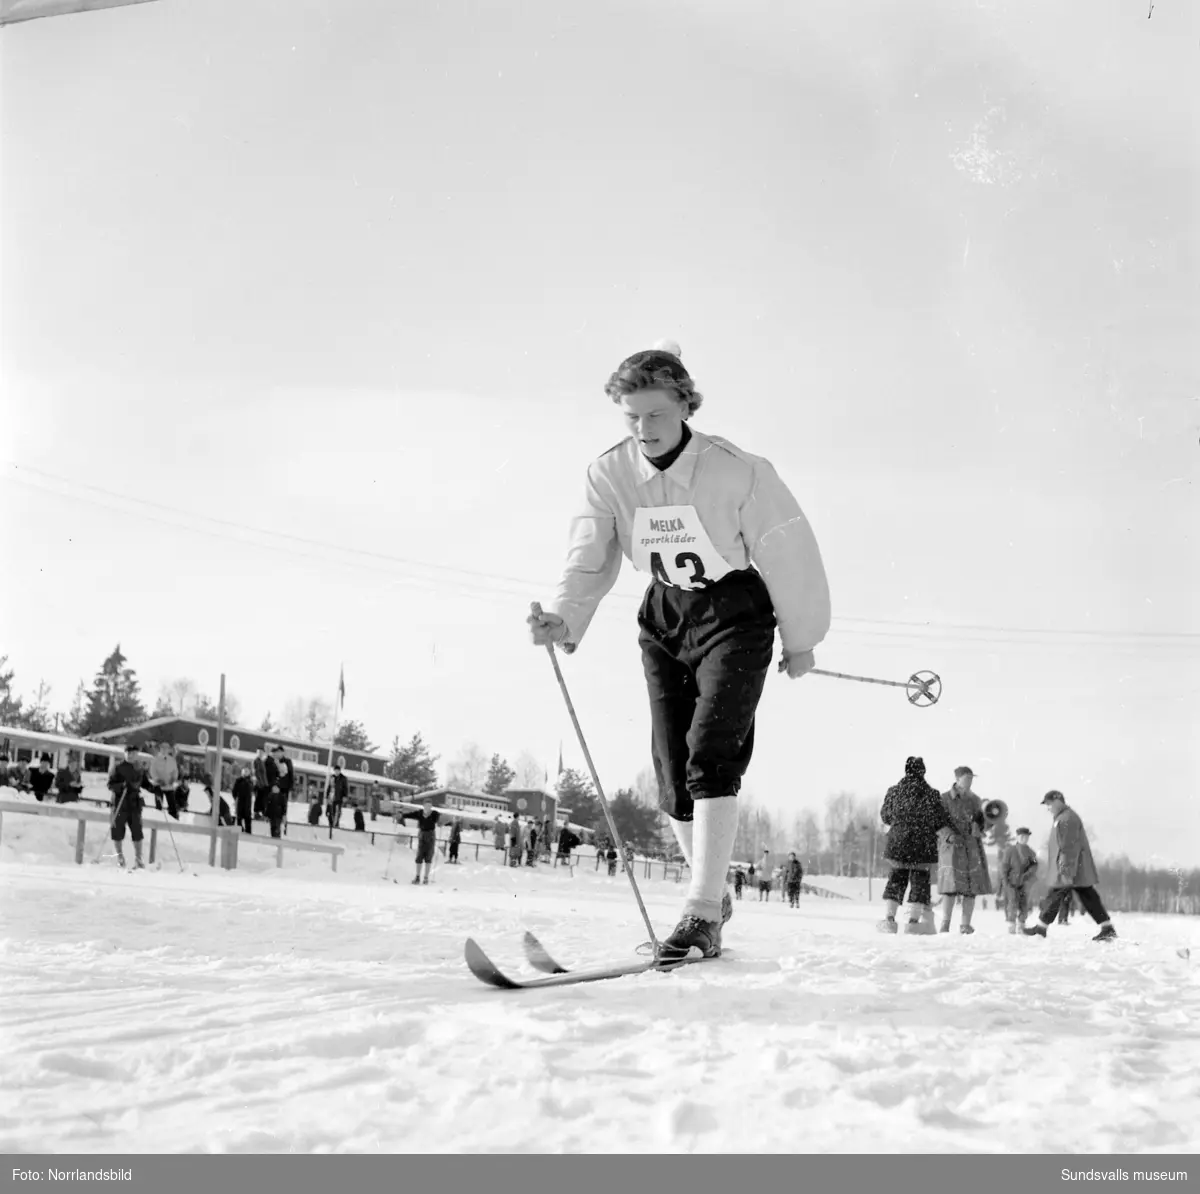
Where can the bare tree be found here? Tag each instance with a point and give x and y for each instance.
(181, 693)
(529, 772)
(469, 768)
(309, 718)
(839, 821)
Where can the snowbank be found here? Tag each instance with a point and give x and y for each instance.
(299, 1010)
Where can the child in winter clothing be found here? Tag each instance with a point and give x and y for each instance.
(793, 877)
(1017, 872)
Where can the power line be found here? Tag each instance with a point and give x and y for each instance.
(469, 581)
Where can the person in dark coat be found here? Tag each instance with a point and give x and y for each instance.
(243, 800)
(125, 784)
(339, 793)
(262, 784)
(456, 832)
(276, 806)
(42, 780)
(567, 841)
(739, 882)
(793, 879)
(1070, 870)
(914, 813)
(68, 783)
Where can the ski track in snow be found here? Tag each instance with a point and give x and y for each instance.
(297, 1010)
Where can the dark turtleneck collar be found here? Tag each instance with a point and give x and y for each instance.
(664, 462)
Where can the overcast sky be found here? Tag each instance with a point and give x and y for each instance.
(307, 310)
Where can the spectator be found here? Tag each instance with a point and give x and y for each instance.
(427, 820)
(314, 811)
(766, 875)
(339, 794)
(4, 771)
(19, 776)
(610, 854)
(183, 794)
(962, 864)
(224, 816)
(531, 844)
(793, 878)
(164, 777)
(69, 783)
(567, 841)
(739, 881)
(1017, 871)
(125, 784)
(516, 841)
(500, 836)
(456, 832)
(360, 825)
(914, 813)
(276, 805)
(287, 782)
(262, 784)
(243, 800)
(1070, 870)
(42, 780)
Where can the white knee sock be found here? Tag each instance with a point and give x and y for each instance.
(712, 845)
(683, 835)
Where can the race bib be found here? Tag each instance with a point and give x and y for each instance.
(671, 544)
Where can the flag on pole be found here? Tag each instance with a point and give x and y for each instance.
(560, 766)
(342, 687)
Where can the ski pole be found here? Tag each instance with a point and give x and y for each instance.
(923, 688)
(612, 826)
(112, 820)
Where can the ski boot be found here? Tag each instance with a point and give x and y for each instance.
(887, 925)
(692, 933)
(726, 908)
(1108, 933)
(966, 929)
(1038, 930)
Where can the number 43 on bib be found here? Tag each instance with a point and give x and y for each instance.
(671, 544)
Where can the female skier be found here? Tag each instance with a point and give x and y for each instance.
(731, 556)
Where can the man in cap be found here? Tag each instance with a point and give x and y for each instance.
(1017, 871)
(962, 864)
(1070, 869)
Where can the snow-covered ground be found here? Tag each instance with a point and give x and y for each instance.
(293, 1010)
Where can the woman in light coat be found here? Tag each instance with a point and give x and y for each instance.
(962, 864)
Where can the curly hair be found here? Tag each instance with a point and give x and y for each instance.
(654, 370)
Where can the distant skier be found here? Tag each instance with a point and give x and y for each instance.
(125, 784)
(739, 881)
(793, 879)
(1070, 869)
(731, 556)
(427, 820)
(914, 812)
(456, 832)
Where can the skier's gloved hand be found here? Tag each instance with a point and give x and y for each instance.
(546, 628)
(797, 663)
